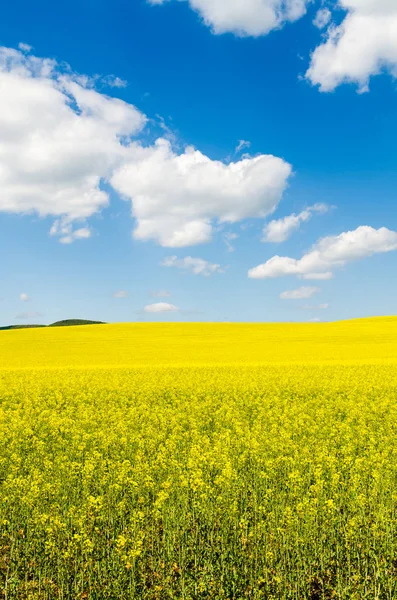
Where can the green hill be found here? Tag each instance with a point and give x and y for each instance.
(20, 327)
(65, 323)
(71, 322)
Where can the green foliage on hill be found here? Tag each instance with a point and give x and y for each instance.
(20, 327)
(65, 323)
(69, 322)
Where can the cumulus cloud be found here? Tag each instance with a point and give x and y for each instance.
(24, 297)
(279, 230)
(364, 44)
(298, 294)
(198, 266)
(246, 17)
(177, 198)
(59, 140)
(330, 253)
(28, 315)
(161, 307)
(120, 294)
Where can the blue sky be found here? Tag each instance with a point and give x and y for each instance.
(92, 207)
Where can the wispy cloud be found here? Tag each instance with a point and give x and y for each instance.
(242, 145)
(67, 235)
(25, 47)
(318, 276)
(322, 18)
(198, 266)
(299, 293)
(229, 238)
(160, 294)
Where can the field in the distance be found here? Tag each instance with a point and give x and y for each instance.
(193, 344)
(199, 461)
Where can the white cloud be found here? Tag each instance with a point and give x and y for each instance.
(113, 81)
(319, 276)
(168, 133)
(298, 294)
(161, 294)
(229, 237)
(246, 17)
(322, 18)
(198, 266)
(59, 139)
(161, 307)
(330, 253)
(120, 294)
(176, 198)
(364, 44)
(63, 229)
(28, 315)
(24, 297)
(279, 230)
(242, 145)
(81, 234)
(24, 47)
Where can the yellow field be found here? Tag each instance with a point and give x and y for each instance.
(199, 461)
(135, 344)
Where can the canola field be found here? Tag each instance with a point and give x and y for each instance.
(199, 461)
